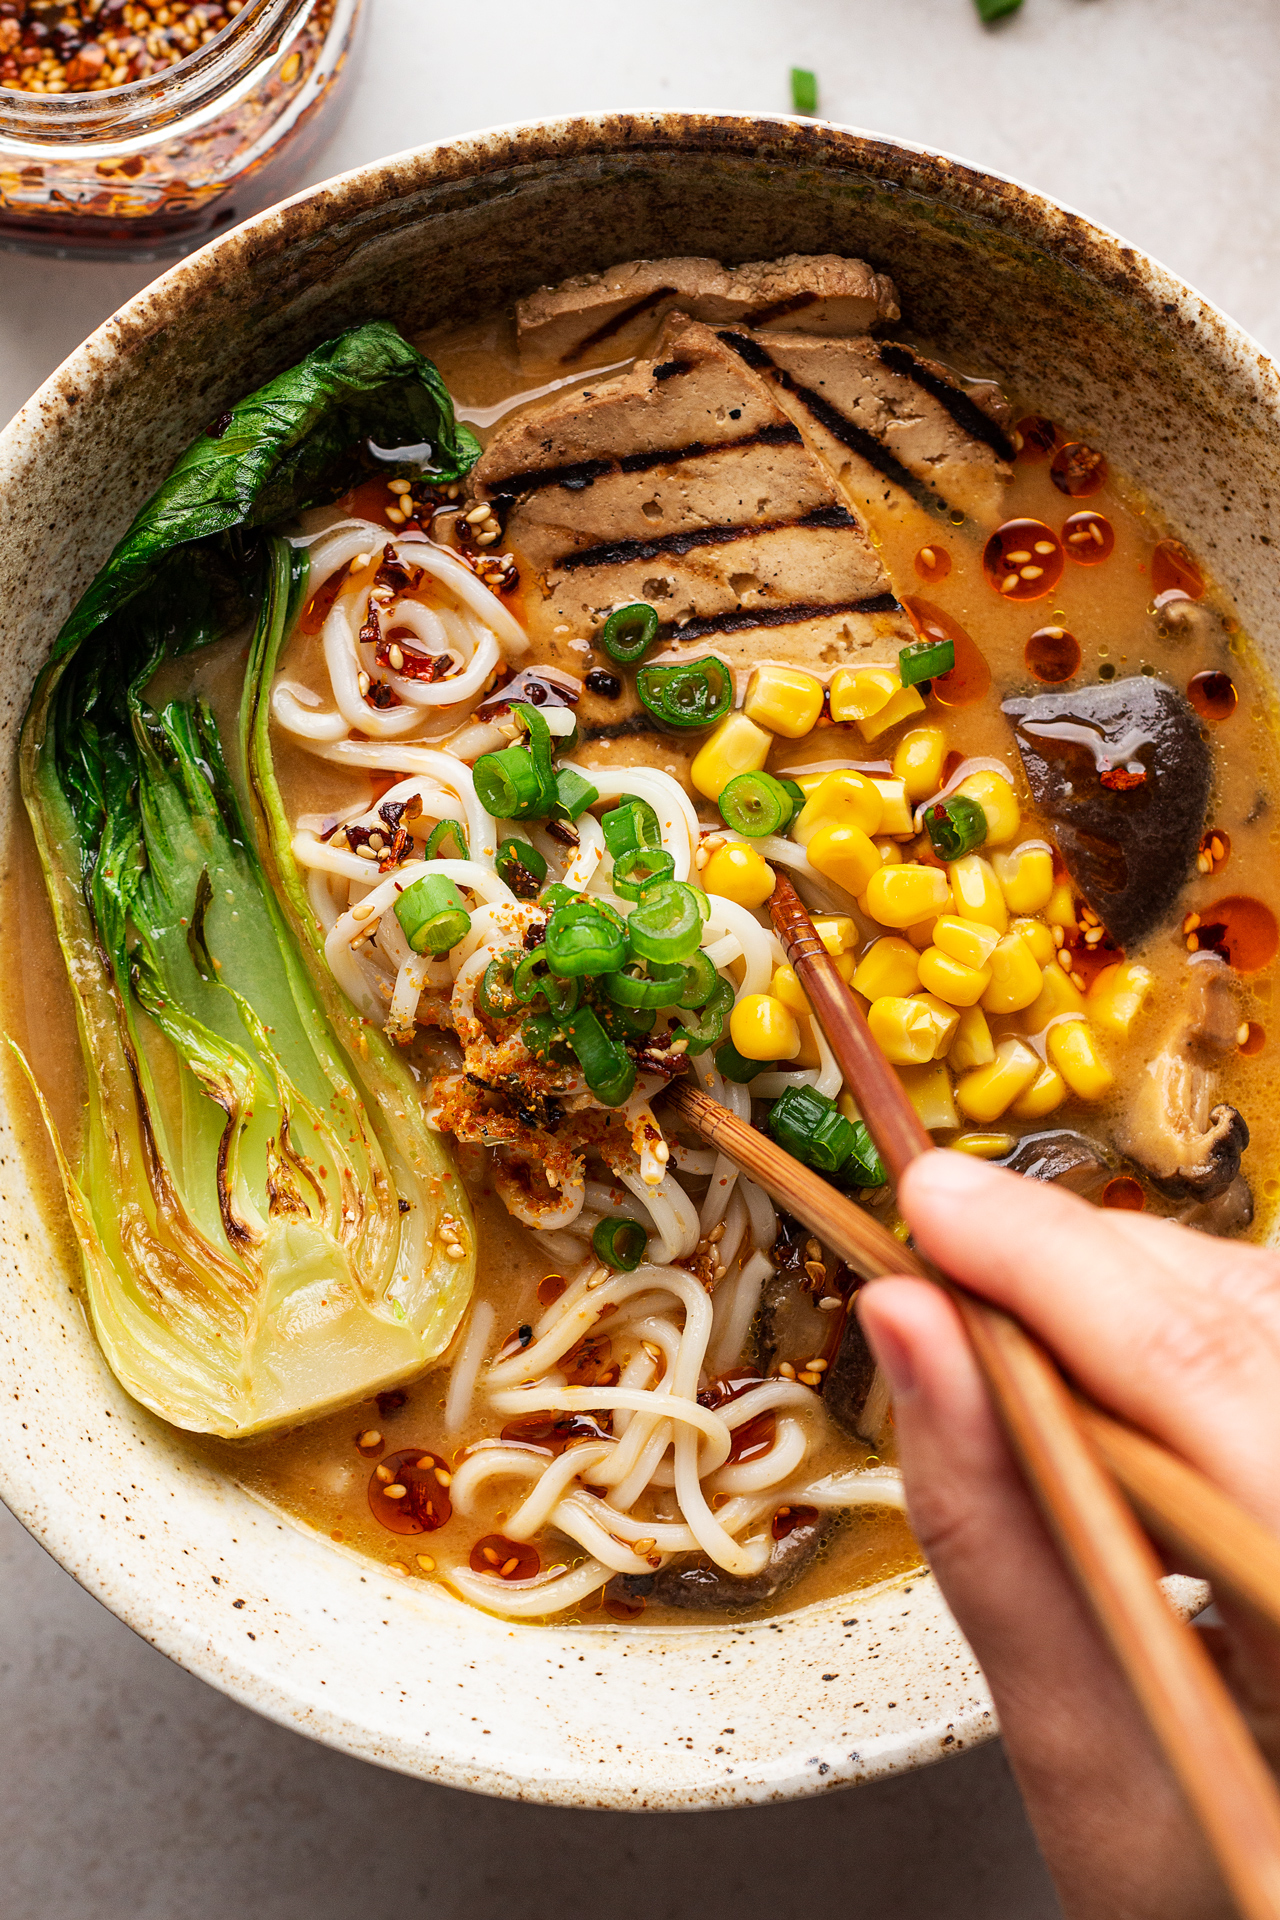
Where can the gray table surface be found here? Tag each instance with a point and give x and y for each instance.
(129, 1790)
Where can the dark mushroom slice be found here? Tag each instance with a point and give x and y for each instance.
(699, 1586)
(1122, 770)
(1071, 1159)
(1231, 1212)
(1186, 1142)
(855, 1392)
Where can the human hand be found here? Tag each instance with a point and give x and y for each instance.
(1170, 1329)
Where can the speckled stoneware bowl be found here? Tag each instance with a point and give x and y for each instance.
(1002, 280)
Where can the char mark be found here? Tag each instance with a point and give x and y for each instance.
(608, 328)
(781, 307)
(621, 729)
(669, 369)
(743, 619)
(966, 413)
(856, 438)
(618, 553)
(584, 473)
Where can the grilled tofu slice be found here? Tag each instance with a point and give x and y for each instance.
(684, 483)
(895, 427)
(607, 316)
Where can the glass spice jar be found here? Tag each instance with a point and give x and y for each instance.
(132, 129)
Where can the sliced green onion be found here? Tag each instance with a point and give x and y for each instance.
(694, 693)
(705, 1028)
(735, 1066)
(620, 1243)
(864, 1167)
(756, 803)
(608, 1069)
(955, 826)
(581, 938)
(556, 896)
(446, 830)
(634, 871)
(699, 983)
(432, 914)
(629, 632)
(545, 1036)
(638, 986)
(666, 924)
(925, 660)
(510, 787)
(573, 794)
(990, 11)
(804, 91)
(495, 996)
(625, 1023)
(796, 793)
(812, 1128)
(521, 866)
(532, 978)
(633, 824)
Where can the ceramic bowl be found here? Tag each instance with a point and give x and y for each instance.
(1001, 279)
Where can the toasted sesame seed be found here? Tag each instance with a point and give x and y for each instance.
(399, 486)
(385, 1474)
(1009, 582)
(395, 1491)
(808, 1379)
(362, 911)
(1059, 935)
(395, 656)
(1043, 546)
(1064, 959)
(509, 1567)
(370, 1438)
(787, 1371)
(478, 515)
(929, 557)
(1031, 573)
(829, 1302)
(425, 1561)
(443, 1476)
(395, 516)
(360, 562)
(644, 1546)
(397, 1566)
(1242, 1033)
(362, 681)
(816, 1366)
(1016, 559)
(489, 1554)
(487, 539)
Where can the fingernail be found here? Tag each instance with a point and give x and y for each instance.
(894, 1358)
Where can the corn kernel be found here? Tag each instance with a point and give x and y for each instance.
(945, 1017)
(1025, 876)
(1074, 1052)
(1061, 910)
(845, 855)
(905, 1030)
(952, 981)
(1057, 996)
(739, 873)
(761, 1028)
(918, 760)
(842, 800)
(921, 933)
(928, 1088)
(896, 816)
(973, 1045)
(784, 699)
(901, 896)
(889, 966)
(904, 703)
(1047, 1091)
(1039, 938)
(985, 1146)
(846, 964)
(808, 1056)
(848, 1107)
(1118, 995)
(785, 986)
(837, 931)
(737, 746)
(989, 1091)
(1015, 978)
(890, 853)
(858, 692)
(969, 941)
(998, 801)
(977, 892)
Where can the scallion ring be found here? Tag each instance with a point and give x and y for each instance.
(640, 868)
(689, 693)
(925, 660)
(629, 632)
(432, 913)
(582, 938)
(495, 996)
(619, 1243)
(956, 826)
(633, 824)
(636, 986)
(607, 1067)
(705, 1028)
(755, 804)
(532, 977)
(666, 922)
(447, 830)
(521, 866)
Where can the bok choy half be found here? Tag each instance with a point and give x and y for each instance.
(262, 1213)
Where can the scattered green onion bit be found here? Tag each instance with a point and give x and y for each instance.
(532, 977)
(693, 693)
(699, 983)
(582, 938)
(633, 824)
(864, 1167)
(812, 1128)
(755, 804)
(629, 632)
(796, 794)
(804, 90)
(666, 922)
(521, 866)
(705, 1028)
(447, 830)
(573, 794)
(636, 985)
(620, 1243)
(955, 826)
(495, 996)
(432, 914)
(925, 660)
(641, 868)
(556, 896)
(625, 1023)
(735, 1066)
(607, 1067)
(510, 787)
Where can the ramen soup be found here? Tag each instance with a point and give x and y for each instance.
(409, 790)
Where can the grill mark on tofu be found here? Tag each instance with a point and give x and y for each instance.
(583, 473)
(618, 553)
(856, 438)
(608, 328)
(966, 413)
(782, 307)
(793, 615)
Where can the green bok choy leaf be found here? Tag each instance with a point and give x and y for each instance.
(263, 1215)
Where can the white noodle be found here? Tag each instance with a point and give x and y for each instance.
(466, 1368)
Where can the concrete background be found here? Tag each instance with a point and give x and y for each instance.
(130, 1791)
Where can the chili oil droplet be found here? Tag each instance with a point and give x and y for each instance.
(933, 563)
(1174, 571)
(1088, 538)
(1053, 655)
(1213, 694)
(1078, 470)
(1023, 560)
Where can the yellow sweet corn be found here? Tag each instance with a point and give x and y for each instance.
(945, 1017)
(1047, 1091)
(848, 1106)
(985, 1146)
(842, 800)
(1057, 996)
(959, 985)
(896, 816)
(739, 873)
(808, 783)
(901, 896)
(845, 855)
(1074, 1052)
(890, 853)
(1038, 937)
(918, 760)
(998, 801)
(1061, 910)
(1015, 978)
(808, 1055)
(785, 986)
(973, 1045)
(889, 966)
(921, 934)
(976, 892)
(904, 703)
(928, 1088)
(785, 699)
(905, 1030)
(761, 1028)
(1025, 876)
(846, 964)
(969, 941)
(836, 931)
(858, 692)
(989, 1091)
(737, 746)
(1118, 995)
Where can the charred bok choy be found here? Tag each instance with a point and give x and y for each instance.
(268, 1228)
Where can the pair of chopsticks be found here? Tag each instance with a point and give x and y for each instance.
(1071, 1453)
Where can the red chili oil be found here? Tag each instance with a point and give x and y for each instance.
(553, 1432)
(787, 1519)
(1023, 559)
(1239, 928)
(1213, 694)
(424, 1505)
(1255, 1039)
(1053, 655)
(970, 677)
(933, 564)
(1214, 851)
(1078, 470)
(1125, 1193)
(1035, 437)
(550, 1287)
(1174, 571)
(753, 1437)
(1088, 538)
(506, 1559)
